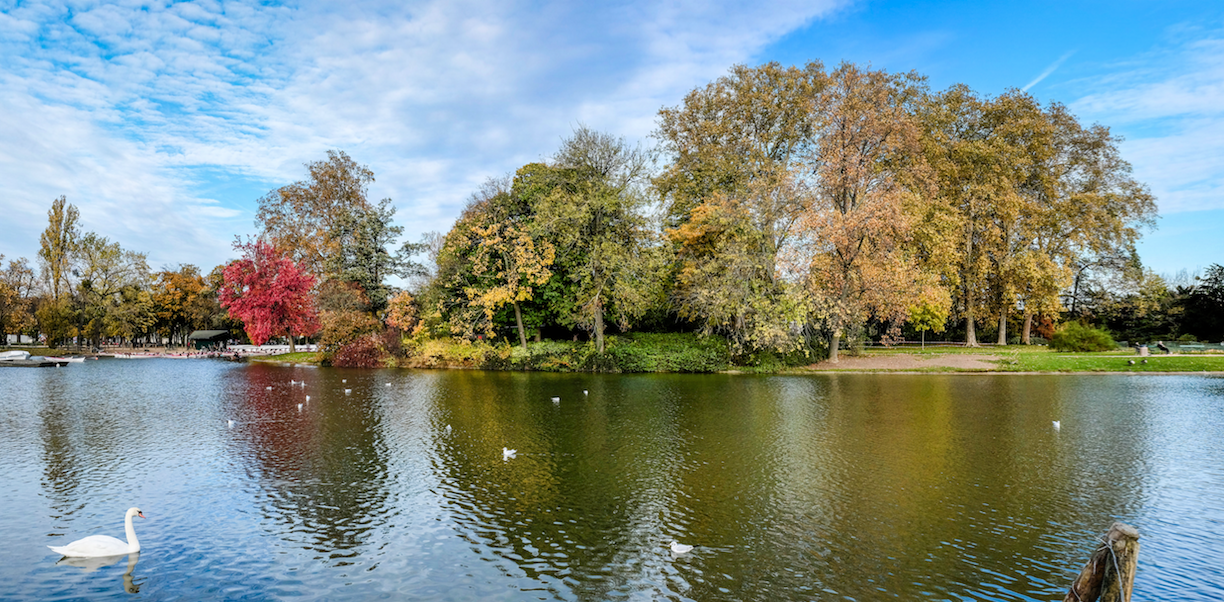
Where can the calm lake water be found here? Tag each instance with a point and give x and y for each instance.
(825, 487)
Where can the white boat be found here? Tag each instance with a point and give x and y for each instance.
(8, 356)
(71, 360)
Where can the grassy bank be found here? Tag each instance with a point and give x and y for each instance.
(690, 353)
(1031, 358)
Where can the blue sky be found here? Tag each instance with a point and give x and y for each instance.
(165, 122)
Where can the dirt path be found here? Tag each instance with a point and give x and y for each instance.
(957, 361)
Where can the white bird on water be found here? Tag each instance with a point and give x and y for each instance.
(344, 380)
(268, 388)
(299, 407)
(348, 391)
(388, 384)
(307, 399)
(1057, 425)
(448, 430)
(104, 545)
(508, 453)
(679, 548)
(584, 391)
(231, 423)
(556, 400)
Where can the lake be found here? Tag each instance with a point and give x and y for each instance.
(822, 487)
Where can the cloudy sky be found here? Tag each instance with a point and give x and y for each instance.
(163, 123)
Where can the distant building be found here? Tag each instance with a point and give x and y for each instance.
(201, 339)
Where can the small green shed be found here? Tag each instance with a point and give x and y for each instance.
(201, 339)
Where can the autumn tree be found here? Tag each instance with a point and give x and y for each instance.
(304, 218)
(177, 296)
(597, 223)
(402, 312)
(731, 201)
(16, 298)
(504, 254)
(105, 271)
(867, 174)
(269, 293)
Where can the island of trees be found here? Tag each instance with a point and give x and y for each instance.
(781, 215)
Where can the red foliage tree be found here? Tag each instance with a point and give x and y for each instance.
(269, 294)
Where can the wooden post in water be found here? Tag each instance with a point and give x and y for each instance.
(1109, 575)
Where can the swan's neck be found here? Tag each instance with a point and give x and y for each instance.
(133, 543)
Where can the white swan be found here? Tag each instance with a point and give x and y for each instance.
(508, 453)
(679, 548)
(104, 545)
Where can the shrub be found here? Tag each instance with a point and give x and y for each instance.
(1187, 338)
(364, 352)
(1077, 337)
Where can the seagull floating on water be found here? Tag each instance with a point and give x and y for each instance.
(556, 400)
(231, 423)
(344, 380)
(299, 407)
(448, 429)
(268, 388)
(388, 384)
(307, 399)
(348, 391)
(584, 391)
(679, 548)
(508, 453)
(1057, 425)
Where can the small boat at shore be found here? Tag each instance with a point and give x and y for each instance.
(70, 360)
(10, 356)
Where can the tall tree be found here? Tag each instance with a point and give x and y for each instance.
(105, 271)
(731, 201)
(269, 293)
(597, 223)
(361, 256)
(304, 218)
(58, 244)
(868, 175)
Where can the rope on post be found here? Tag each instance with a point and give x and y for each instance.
(1109, 575)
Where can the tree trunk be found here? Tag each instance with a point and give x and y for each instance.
(1028, 327)
(518, 319)
(1003, 327)
(292, 349)
(1109, 575)
(834, 340)
(599, 328)
(970, 333)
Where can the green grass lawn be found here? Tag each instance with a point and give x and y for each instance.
(1031, 358)
(305, 357)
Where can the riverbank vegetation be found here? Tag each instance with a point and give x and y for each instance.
(783, 215)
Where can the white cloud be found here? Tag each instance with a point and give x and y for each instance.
(120, 105)
(1170, 106)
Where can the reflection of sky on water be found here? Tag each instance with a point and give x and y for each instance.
(790, 487)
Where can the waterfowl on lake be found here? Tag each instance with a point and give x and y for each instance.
(1057, 425)
(104, 545)
(679, 548)
(508, 453)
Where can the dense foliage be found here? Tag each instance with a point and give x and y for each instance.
(785, 212)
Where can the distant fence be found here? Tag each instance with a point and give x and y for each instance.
(269, 349)
(1177, 347)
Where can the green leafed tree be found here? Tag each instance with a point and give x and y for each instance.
(597, 221)
(58, 243)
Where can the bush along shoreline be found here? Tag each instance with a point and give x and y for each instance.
(632, 353)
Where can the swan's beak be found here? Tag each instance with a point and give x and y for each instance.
(140, 514)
